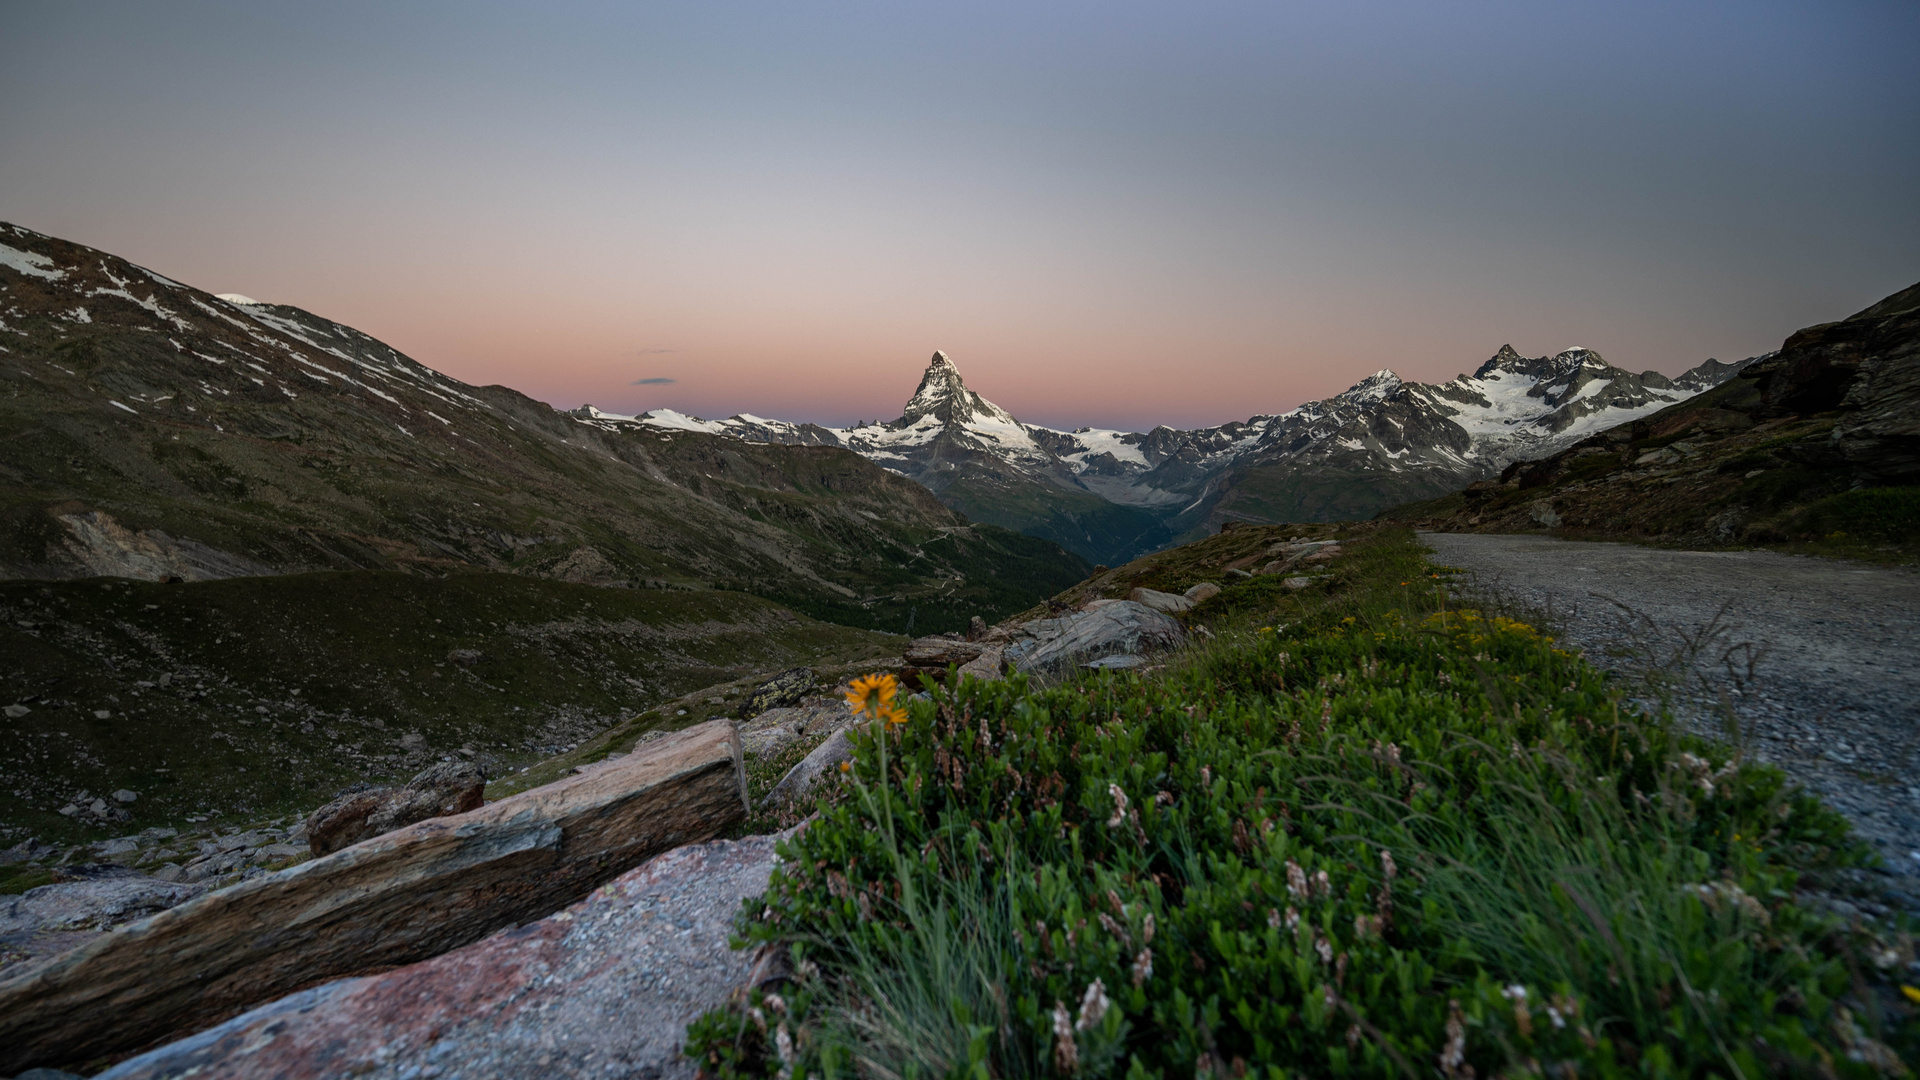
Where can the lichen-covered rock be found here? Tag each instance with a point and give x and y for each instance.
(395, 899)
(451, 787)
(786, 688)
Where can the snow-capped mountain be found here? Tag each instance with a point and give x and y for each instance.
(1111, 494)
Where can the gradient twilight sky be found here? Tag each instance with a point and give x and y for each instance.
(1115, 213)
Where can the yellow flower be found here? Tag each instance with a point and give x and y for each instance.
(894, 716)
(1913, 995)
(846, 766)
(872, 695)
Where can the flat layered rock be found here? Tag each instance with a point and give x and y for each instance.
(411, 894)
(604, 988)
(938, 652)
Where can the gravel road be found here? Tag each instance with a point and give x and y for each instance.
(1833, 698)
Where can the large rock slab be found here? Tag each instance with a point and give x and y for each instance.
(603, 988)
(396, 899)
(1051, 647)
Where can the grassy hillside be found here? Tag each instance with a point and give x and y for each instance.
(1360, 832)
(251, 697)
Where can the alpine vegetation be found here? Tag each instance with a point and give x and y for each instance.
(1362, 833)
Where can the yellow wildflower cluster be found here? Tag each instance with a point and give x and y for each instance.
(872, 695)
(1473, 628)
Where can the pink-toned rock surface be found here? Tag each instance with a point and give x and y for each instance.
(604, 988)
(395, 899)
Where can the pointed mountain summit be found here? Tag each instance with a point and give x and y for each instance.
(1110, 495)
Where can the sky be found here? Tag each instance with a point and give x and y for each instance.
(1114, 214)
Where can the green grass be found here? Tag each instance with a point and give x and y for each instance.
(282, 690)
(1358, 834)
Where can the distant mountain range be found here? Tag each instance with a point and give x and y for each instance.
(152, 430)
(1112, 495)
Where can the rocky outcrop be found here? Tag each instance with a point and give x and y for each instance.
(649, 948)
(396, 899)
(451, 787)
(1107, 628)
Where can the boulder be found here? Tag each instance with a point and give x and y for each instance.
(603, 988)
(451, 787)
(976, 628)
(1202, 592)
(1171, 603)
(395, 899)
(772, 731)
(822, 762)
(988, 665)
(786, 688)
(1055, 646)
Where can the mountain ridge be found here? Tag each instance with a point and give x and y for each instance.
(1381, 442)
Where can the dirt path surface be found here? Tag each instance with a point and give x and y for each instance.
(1833, 696)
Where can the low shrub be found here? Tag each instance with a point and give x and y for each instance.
(1391, 842)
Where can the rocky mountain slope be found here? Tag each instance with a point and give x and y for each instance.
(152, 430)
(1111, 495)
(1816, 445)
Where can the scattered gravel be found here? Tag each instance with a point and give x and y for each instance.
(1819, 658)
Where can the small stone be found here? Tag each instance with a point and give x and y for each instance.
(15, 712)
(1297, 582)
(97, 806)
(1206, 590)
(166, 679)
(125, 796)
(102, 714)
(69, 810)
